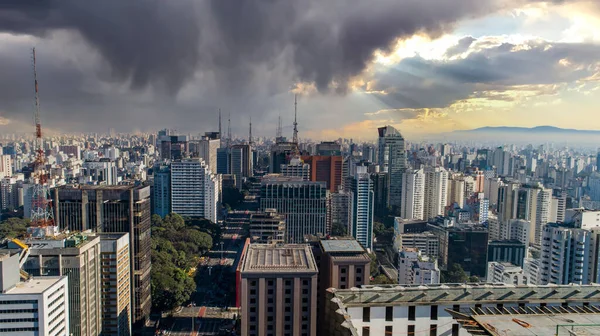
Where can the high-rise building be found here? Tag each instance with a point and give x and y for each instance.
(161, 190)
(173, 147)
(6, 168)
(436, 191)
(340, 210)
(236, 165)
(325, 168)
(267, 227)
(456, 190)
(278, 290)
(194, 189)
(413, 194)
(512, 251)
(94, 208)
(532, 203)
(223, 161)
(296, 168)
(329, 148)
(32, 307)
(518, 229)
(465, 245)
(116, 282)
(361, 187)
(102, 171)
(392, 160)
(9, 193)
(381, 190)
(304, 204)
(558, 206)
(281, 152)
(208, 147)
(568, 255)
(241, 161)
(78, 257)
(414, 268)
(73, 150)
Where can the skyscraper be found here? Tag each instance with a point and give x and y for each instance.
(392, 160)
(325, 168)
(296, 168)
(95, 208)
(436, 191)
(208, 147)
(413, 194)
(340, 210)
(161, 191)
(194, 189)
(362, 205)
(304, 204)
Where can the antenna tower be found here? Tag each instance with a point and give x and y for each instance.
(250, 140)
(229, 131)
(278, 133)
(220, 134)
(295, 138)
(41, 207)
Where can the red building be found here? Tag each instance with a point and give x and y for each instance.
(325, 169)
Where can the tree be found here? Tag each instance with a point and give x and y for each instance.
(156, 220)
(13, 227)
(474, 278)
(171, 287)
(232, 196)
(338, 229)
(382, 279)
(374, 266)
(378, 228)
(454, 274)
(173, 221)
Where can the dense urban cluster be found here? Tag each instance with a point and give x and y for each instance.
(175, 233)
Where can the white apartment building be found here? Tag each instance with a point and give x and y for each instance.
(436, 191)
(506, 273)
(37, 306)
(413, 194)
(6, 167)
(194, 189)
(519, 229)
(531, 268)
(456, 190)
(415, 268)
(296, 168)
(361, 187)
(582, 218)
(426, 242)
(208, 152)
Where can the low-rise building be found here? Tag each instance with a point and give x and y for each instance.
(415, 268)
(507, 273)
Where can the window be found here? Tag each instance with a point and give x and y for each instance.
(269, 318)
(358, 279)
(388, 330)
(366, 331)
(456, 308)
(343, 279)
(343, 271)
(253, 292)
(269, 309)
(433, 330)
(270, 292)
(252, 301)
(565, 304)
(434, 312)
(305, 282)
(389, 313)
(411, 330)
(366, 314)
(411, 313)
(358, 270)
(455, 328)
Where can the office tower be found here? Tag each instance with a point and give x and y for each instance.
(6, 169)
(558, 205)
(512, 251)
(568, 255)
(532, 203)
(381, 191)
(361, 187)
(116, 280)
(95, 207)
(245, 158)
(194, 189)
(11, 193)
(326, 169)
(236, 165)
(463, 244)
(173, 147)
(479, 178)
(506, 273)
(77, 257)
(280, 154)
(73, 150)
(161, 190)
(506, 201)
(414, 268)
(303, 203)
(102, 171)
(223, 161)
(413, 195)
(32, 307)
(501, 160)
(392, 160)
(436, 191)
(456, 190)
(490, 191)
(267, 227)
(340, 210)
(368, 153)
(594, 186)
(278, 290)
(296, 168)
(208, 147)
(329, 148)
(518, 229)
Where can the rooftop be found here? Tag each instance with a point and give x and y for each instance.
(341, 245)
(290, 258)
(34, 286)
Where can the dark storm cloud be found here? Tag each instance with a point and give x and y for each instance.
(462, 46)
(417, 83)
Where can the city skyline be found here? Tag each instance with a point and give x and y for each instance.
(460, 65)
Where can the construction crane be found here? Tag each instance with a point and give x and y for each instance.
(41, 214)
(22, 258)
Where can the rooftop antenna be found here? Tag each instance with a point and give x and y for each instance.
(278, 133)
(220, 134)
(250, 140)
(295, 138)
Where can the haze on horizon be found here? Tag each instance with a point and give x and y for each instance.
(424, 69)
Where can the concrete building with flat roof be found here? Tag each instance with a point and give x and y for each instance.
(116, 280)
(267, 227)
(36, 306)
(78, 257)
(113, 209)
(446, 309)
(278, 291)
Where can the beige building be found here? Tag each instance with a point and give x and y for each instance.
(116, 279)
(267, 227)
(279, 291)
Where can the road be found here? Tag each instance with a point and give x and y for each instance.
(387, 266)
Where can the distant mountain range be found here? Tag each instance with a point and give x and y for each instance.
(532, 130)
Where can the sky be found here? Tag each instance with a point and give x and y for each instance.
(424, 66)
